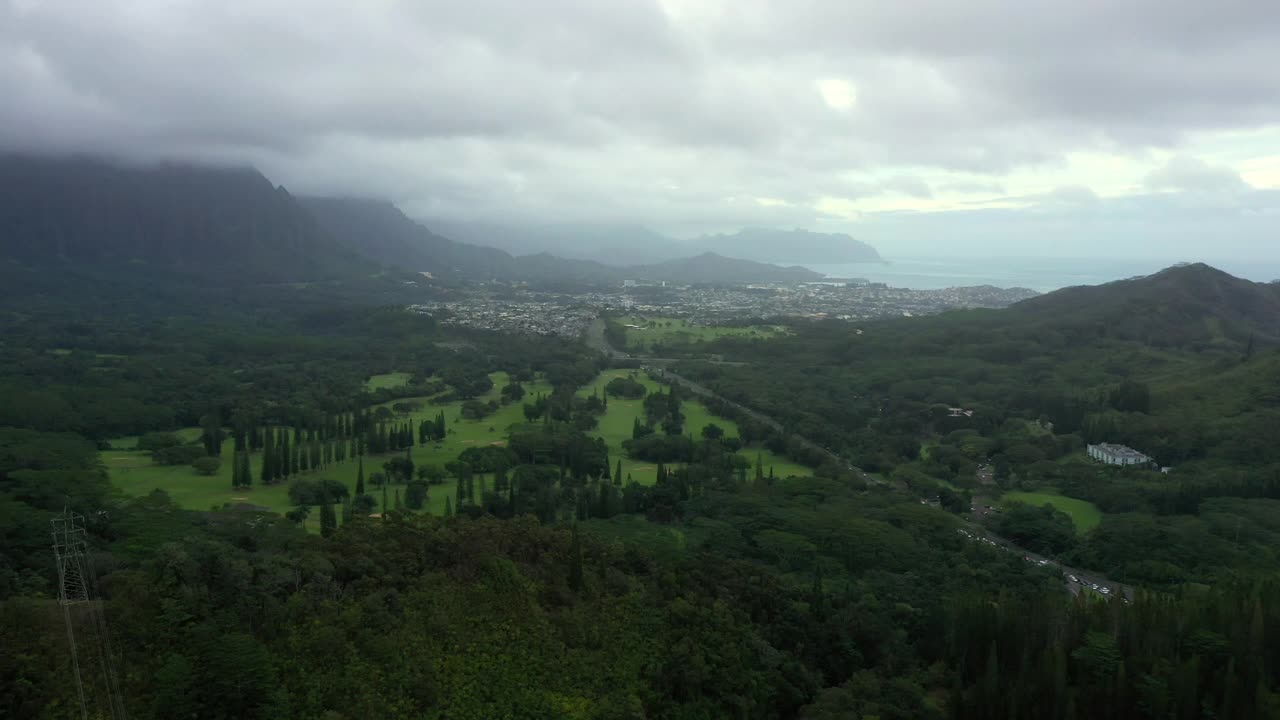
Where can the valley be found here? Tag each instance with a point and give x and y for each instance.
(868, 495)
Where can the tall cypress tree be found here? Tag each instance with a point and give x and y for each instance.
(575, 561)
(285, 468)
(360, 478)
(268, 457)
(617, 474)
(238, 468)
(328, 520)
(448, 507)
(211, 433)
(383, 509)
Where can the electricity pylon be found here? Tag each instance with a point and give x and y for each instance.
(80, 608)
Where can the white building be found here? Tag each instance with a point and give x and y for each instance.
(1118, 455)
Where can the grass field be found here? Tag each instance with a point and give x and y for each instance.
(129, 442)
(134, 473)
(615, 426)
(1084, 514)
(678, 330)
(387, 380)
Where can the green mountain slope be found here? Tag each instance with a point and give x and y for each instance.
(382, 232)
(1185, 305)
(225, 225)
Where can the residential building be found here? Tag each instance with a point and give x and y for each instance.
(1113, 454)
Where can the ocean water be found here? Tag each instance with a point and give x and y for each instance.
(1040, 274)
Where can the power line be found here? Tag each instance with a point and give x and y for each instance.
(77, 588)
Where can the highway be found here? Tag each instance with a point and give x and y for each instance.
(1075, 580)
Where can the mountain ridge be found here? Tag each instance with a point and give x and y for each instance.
(795, 245)
(382, 230)
(623, 245)
(231, 226)
(220, 223)
(1186, 303)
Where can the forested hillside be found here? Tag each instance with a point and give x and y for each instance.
(1186, 306)
(556, 585)
(1081, 358)
(1182, 366)
(227, 225)
(381, 231)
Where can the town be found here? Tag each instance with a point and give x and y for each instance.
(522, 309)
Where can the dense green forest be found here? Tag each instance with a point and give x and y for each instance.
(555, 588)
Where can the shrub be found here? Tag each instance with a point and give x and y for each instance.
(155, 441)
(625, 388)
(312, 492)
(178, 455)
(206, 465)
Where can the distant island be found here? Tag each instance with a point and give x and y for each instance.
(798, 245)
(622, 245)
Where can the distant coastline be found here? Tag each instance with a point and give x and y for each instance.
(1040, 274)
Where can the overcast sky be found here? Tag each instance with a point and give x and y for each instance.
(1054, 127)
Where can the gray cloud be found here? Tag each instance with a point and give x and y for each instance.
(1072, 195)
(675, 114)
(973, 187)
(909, 185)
(1196, 175)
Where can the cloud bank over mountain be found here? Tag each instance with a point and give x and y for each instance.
(878, 120)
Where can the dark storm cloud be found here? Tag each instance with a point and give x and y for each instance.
(692, 113)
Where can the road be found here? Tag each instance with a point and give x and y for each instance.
(597, 340)
(697, 389)
(1084, 579)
